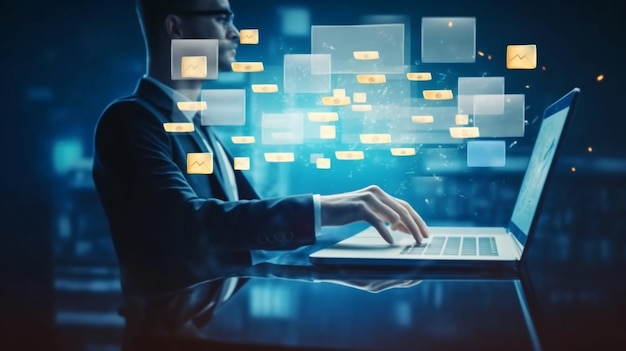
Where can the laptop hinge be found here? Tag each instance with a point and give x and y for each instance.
(518, 245)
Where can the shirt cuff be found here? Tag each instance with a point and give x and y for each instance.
(317, 214)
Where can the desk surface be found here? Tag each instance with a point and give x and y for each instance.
(572, 294)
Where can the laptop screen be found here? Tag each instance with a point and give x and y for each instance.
(541, 159)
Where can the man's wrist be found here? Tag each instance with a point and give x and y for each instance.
(317, 214)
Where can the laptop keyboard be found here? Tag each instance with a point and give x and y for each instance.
(455, 246)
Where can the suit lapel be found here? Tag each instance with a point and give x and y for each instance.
(164, 104)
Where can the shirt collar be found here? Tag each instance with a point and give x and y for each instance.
(172, 94)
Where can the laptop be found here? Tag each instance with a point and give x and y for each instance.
(468, 247)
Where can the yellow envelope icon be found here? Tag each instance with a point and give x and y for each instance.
(419, 76)
(437, 94)
(375, 138)
(247, 66)
(371, 78)
(327, 132)
(461, 119)
(193, 67)
(335, 100)
(323, 116)
(248, 36)
(521, 56)
(279, 157)
(185, 127)
(361, 108)
(360, 98)
(422, 119)
(191, 105)
(349, 155)
(241, 163)
(464, 132)
(242, 139)
(366, 55)
(322, 163)
(339, 92)
(200, 163)
(402, 151)
(264, 88)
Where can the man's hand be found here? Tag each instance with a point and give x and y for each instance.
(373, 205)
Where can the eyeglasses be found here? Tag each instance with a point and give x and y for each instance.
(225, 17)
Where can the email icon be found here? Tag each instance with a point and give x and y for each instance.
(247, 66)
(461, 119)
(360, 98)
(248, 36)
(403, 151)
(185, 127)
(521, 56)
(242, 139)
(327, 132)
(322, 163)
(349, 155)
(194, 67)
(279, 157)
(437, 94)
(366, 55)
(335, 100)
(375, 138)
(323, 116)
(339, 92)
(241, 163)
(361, 108)
(264, 88)
(191, 105)
(200, 163)
(422, 119)
(371, 78)
(419, 76)
(464, 132)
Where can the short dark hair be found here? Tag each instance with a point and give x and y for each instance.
(151, 14)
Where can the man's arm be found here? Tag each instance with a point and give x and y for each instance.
(144, 189)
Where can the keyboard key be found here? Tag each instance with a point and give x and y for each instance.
(452, 246)
(469, 247)
(435, 246)
(487, 246)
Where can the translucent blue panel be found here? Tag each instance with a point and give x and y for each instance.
(469, 87)
(486, 153)
(282, 128)
(305, 73)
(508, 124)
(226, 107)
(448, 39)
(341, 42)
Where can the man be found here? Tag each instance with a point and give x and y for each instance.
(172, 229)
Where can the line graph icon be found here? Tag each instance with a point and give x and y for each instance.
(200, 163)
(194, 67)
(521, 56)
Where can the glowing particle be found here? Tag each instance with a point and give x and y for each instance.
(589, 149)
(527, 86)
(480, 53)
(489, 57)
(573, 169)
(450, 24)
(427, 201)
(600, 77)
(543, 68)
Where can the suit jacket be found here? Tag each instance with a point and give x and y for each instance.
(171, 229)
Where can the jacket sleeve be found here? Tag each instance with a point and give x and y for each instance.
(146, 195)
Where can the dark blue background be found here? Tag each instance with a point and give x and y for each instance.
(64, 61)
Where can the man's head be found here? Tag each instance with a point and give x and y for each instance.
(164, 20)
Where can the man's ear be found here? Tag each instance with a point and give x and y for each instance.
(173, 27)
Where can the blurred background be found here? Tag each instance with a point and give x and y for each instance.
(65, 61)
